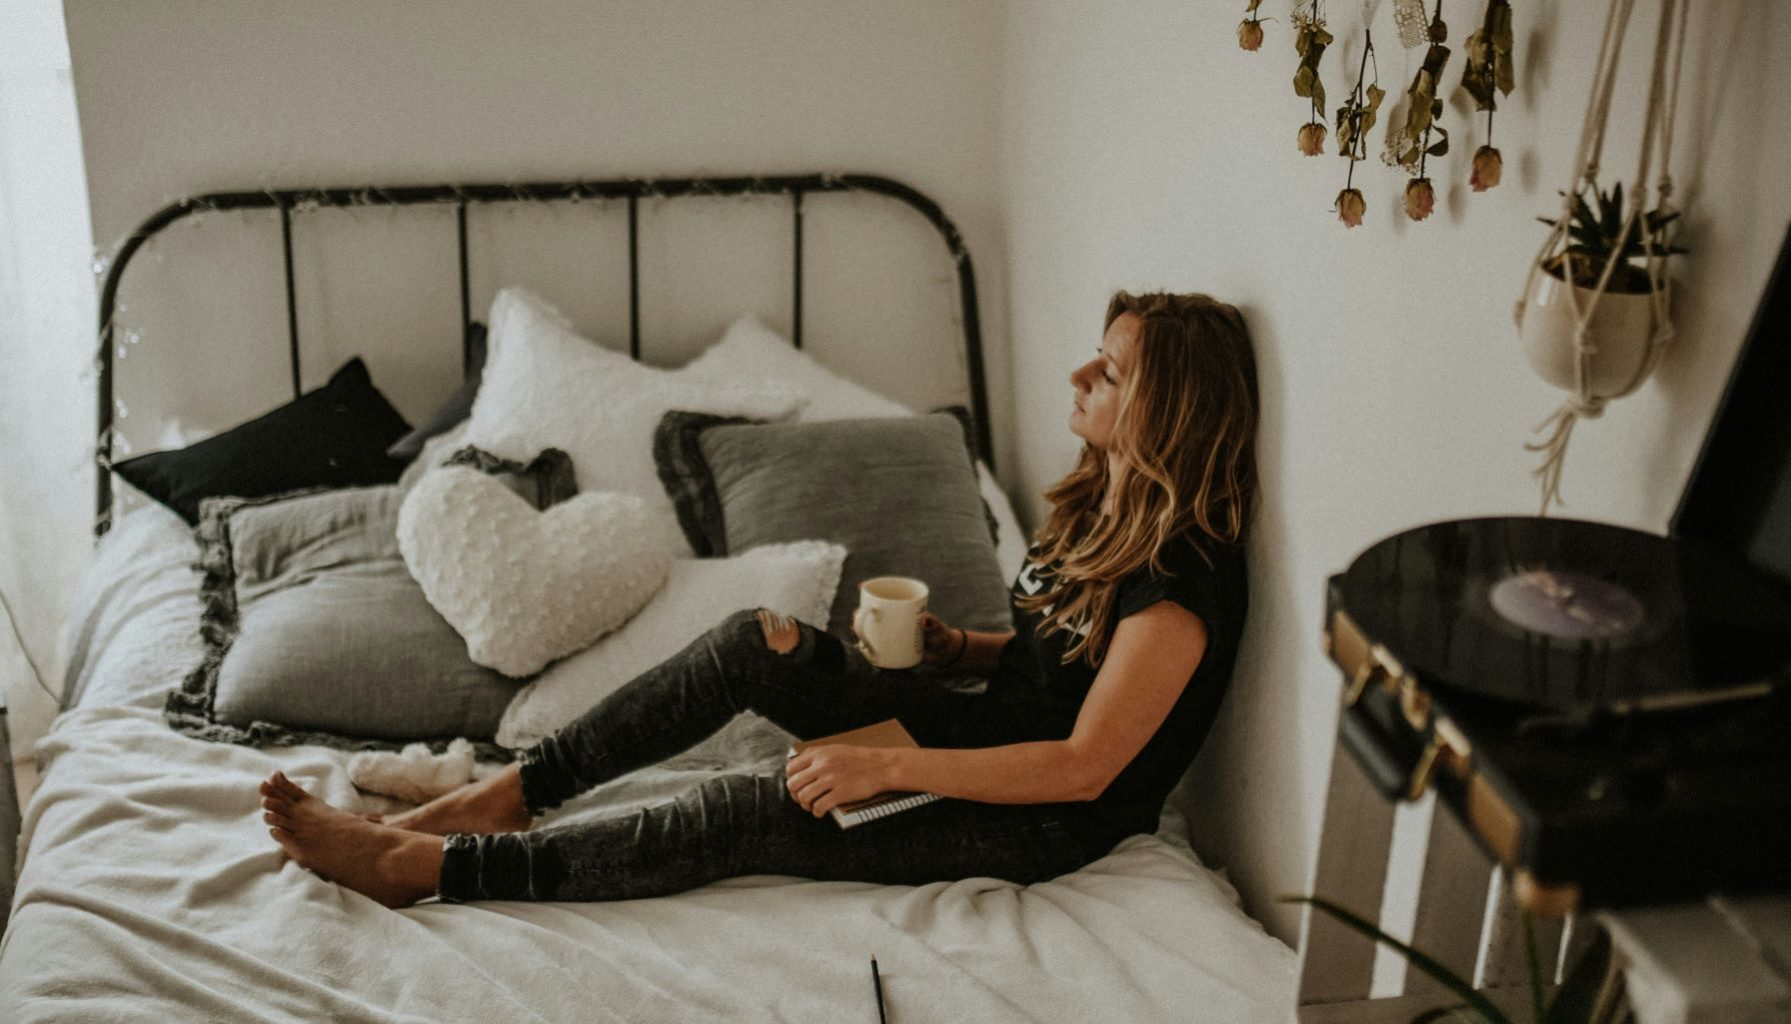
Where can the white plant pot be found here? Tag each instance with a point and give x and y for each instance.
(1620, 332)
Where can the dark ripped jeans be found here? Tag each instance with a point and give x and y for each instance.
(743, 824)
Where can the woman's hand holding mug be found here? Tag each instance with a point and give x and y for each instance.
(942, 645)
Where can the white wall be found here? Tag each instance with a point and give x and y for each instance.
(46, 323)
(1147, 150)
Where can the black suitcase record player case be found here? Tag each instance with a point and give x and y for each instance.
(1608, 711)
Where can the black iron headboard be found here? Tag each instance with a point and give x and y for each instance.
(632, 190)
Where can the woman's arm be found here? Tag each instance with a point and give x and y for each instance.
(1148, 664)
(960, 650)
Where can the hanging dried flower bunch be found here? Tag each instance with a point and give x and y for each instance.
(1409, 145)
(1310, 39)
(1489, 72)
(1354, 120)
(1250, 29)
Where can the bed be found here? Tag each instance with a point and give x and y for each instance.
(149, 889)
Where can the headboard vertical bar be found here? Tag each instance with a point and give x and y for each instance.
(466, 299)
(796, 225)
(634, 277)
(291, 297)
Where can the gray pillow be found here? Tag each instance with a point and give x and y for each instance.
(900, 493)
(316, 633)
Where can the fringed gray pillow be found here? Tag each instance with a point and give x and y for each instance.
(315, 632)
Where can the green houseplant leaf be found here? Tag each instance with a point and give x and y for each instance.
(1579, 992)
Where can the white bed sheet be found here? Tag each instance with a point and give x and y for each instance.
(151, 891)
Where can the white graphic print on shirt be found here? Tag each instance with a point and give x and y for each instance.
(1029, 581)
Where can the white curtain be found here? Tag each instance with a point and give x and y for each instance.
(46, 330)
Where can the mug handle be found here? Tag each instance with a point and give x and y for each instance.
(864, 646)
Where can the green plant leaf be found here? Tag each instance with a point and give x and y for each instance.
(1533, 962)
(1473, 1001)
(1574, 1000)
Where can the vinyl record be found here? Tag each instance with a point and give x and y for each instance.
(1567, 614)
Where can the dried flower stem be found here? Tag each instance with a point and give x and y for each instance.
(1355, 97)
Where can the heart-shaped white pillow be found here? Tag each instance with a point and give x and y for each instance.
(525, 587)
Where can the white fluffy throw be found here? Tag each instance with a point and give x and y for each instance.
(525, 587)
(414, 774)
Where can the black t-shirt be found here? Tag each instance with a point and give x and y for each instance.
(1035, 694)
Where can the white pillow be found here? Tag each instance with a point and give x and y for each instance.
(797, 579)
(522, 586)
(545, 386)
(752, 352)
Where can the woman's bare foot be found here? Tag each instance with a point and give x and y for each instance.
(393, 866)
(493, 804)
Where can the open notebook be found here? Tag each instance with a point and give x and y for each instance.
(883, 734)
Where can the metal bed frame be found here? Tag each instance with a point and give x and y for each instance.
(633, 190)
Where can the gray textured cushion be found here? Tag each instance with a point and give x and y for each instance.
(900, 494)
(318, 633)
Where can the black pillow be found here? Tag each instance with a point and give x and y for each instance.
(459, 405)
(335, 436)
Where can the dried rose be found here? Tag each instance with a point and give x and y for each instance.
(1350, 207)
(1250, 35)
(1312, 138)
(1420, 198)
(1488, 167)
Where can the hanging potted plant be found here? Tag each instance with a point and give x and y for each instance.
(1605, 270)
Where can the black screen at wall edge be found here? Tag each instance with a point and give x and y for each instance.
(1738, 498)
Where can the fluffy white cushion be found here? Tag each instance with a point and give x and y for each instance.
(525, 587)
(545, 386)
(750, 352)
(797, 579)
(414, 774)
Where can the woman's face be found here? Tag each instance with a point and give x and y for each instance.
(1100, 382)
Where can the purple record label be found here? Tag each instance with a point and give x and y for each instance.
(1566, 605)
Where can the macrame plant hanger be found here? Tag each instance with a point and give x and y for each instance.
(1657, 133)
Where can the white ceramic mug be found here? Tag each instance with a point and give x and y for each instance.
(887, 620)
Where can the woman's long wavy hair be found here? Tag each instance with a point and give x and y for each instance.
(1185, 437)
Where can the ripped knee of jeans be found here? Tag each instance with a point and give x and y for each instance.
(781, 632)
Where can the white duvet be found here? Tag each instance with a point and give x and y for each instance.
(151, 891)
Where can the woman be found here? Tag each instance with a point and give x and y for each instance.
(1128, 614)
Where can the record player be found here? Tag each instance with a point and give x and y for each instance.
(1607, 710)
